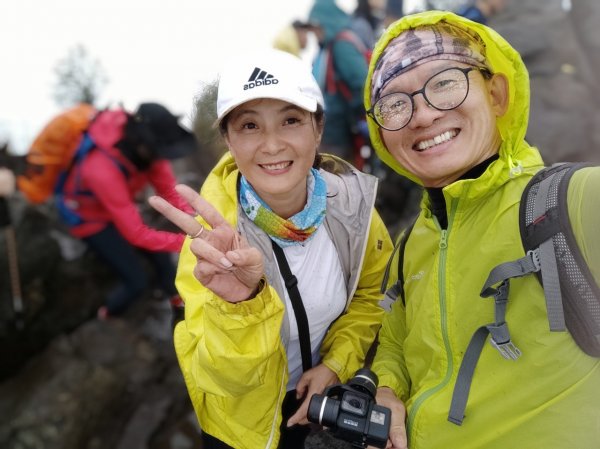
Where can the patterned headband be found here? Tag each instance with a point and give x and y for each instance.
(419, 45)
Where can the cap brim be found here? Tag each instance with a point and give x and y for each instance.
(303, 102)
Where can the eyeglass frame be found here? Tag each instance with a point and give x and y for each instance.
(486, 73)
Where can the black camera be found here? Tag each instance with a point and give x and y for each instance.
(350, 412)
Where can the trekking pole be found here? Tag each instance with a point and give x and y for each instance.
(13, 262)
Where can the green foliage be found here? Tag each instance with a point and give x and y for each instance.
(210, 140)
(80, 78)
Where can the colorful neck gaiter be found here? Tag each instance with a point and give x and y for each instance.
(297, 229)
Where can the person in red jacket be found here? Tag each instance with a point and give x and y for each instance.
(129, 152)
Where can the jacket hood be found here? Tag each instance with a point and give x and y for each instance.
(501, 58)
(329, 16)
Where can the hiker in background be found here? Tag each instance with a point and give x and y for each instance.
(448, 103)
(7, 182)
(394, 9)
(274, 213)
(481, 10)
(293, 38)
(340, 69)
(129, 153)
(367, 20)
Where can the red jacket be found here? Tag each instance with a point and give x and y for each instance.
(114, 182)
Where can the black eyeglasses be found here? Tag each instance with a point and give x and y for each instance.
(444, 91)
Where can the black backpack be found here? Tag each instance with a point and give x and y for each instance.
(572, 294)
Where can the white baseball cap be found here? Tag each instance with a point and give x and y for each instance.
(269, 73)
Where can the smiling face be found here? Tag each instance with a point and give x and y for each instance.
(274, 144)
(439, 146)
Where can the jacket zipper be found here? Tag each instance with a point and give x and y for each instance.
(443, 246)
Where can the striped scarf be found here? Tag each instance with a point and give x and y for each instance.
(297, 229)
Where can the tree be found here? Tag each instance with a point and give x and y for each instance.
(209, 138)
(80, 78)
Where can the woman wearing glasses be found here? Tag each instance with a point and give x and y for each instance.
(448, 103)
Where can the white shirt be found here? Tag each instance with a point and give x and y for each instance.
(321, 284)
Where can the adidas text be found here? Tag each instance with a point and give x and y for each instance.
(260, 83)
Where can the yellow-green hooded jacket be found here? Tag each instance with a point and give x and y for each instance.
(233, 355)
(548, 398)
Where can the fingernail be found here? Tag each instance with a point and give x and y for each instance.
(225, 262)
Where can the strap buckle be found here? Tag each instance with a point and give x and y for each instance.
(534, 255)
(502, 342)
(508, 350)
(291, 282)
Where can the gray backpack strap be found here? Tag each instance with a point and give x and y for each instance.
(392, 293)
(530, 263)
(550, 277)
(396, 290)
(548, 227)
(500, 336)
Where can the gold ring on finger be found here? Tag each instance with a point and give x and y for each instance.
(197, 234)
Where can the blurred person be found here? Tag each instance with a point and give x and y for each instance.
(394, 10)
(366, 22)
(293, 38)
(585, 15)
(481, 10)
(565, 103)
(340, 69)
(281, 272)
(448, 103)
(7, 182)
(129, 152)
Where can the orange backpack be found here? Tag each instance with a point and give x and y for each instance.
(52, 151)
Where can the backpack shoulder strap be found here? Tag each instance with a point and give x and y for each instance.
(67, 213)
(572, 294)
(396, 290)
(332, 83)
(351, 36)
(539, 222)
(85, 146)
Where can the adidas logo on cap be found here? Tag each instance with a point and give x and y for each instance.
(260, 78)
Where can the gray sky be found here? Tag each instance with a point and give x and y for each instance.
(151, 50)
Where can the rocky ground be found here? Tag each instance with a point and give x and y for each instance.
(69, 380)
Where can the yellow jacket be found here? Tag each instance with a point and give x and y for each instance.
(233, 355)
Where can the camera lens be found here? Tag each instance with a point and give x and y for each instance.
(353, 403)
(323, 410)
(366, 381)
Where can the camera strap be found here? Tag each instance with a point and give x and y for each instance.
(291, 284)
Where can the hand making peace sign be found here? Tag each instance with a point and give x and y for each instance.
(226, 263)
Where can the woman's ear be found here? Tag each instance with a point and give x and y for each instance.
(318, 127)
(226, 139)
(499, 94)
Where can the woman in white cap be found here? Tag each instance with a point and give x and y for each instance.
(252, 359)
